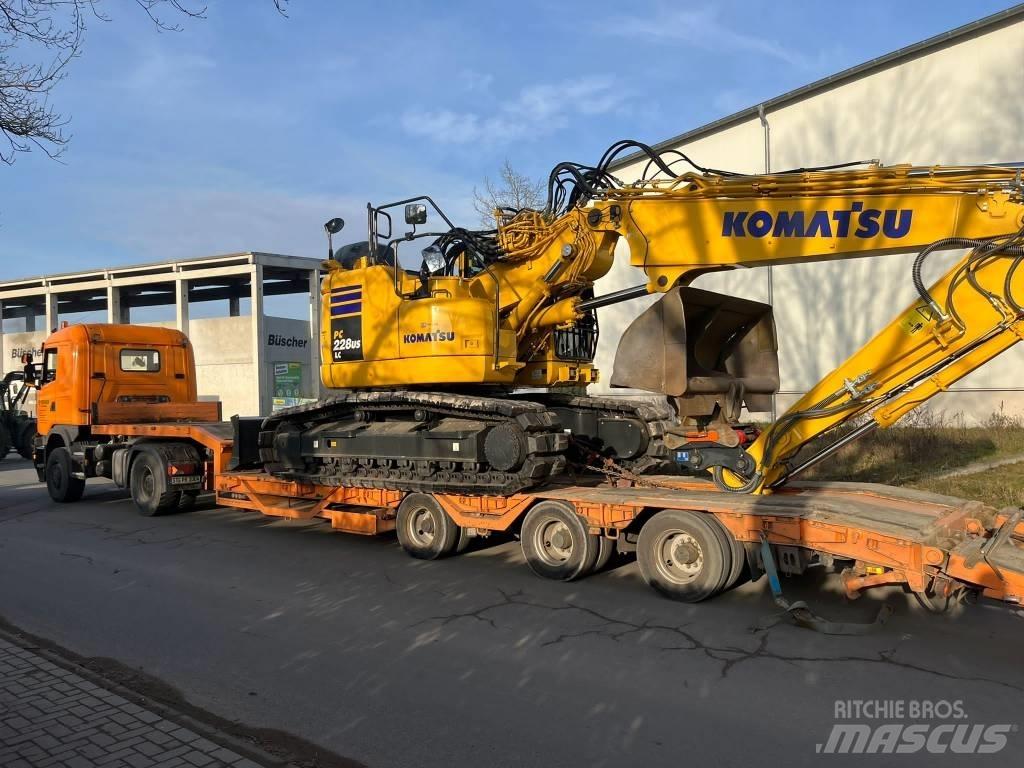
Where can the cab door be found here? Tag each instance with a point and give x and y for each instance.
(55, 401)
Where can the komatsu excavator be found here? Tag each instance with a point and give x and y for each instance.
(469, 374)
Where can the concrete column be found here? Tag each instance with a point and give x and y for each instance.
(314, 332)
(2, 333)
(51, 311)
(234, 305)
(114, 312)
(181, 305)
(260, 380)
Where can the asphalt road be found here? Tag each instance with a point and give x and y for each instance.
(349, 643)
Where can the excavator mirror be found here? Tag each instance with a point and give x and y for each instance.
(415, 213)
(334, 226)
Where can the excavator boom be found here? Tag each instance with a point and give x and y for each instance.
(466, 373)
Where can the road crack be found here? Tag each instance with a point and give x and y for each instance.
(729, 656)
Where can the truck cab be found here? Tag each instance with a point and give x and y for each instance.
(94, 377)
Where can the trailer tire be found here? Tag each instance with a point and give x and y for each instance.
(556, 542)
(606, 548)
(148, 486)
(738, 558)
(424, 529)
(62, 486)
(682, 556)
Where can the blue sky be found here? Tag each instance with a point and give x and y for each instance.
(247, 130)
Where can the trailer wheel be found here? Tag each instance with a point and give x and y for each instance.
(149, 486)
(738, 555)
(682, 556)
(424, 529)
(605, 550)
(60, 484)
(556, 543)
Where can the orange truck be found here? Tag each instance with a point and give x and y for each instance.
(120, 402)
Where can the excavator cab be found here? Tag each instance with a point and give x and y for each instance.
(389, 319)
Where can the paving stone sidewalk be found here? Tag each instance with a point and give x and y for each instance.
(50, 716)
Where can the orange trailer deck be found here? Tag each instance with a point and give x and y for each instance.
(927, 542)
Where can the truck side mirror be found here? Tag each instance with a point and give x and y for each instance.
(29, 368)
(415, 213)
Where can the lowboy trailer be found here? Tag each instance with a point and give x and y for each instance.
(119, 402)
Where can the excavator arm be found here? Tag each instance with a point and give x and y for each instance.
(710, 353)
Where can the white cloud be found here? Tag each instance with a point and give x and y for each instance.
(700, 28)
(537, 110)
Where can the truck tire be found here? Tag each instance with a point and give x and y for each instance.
(682, 556)
(424, 529)
(187, 502)
(5, 442)
(60, 484)
(556, 542)
(148, 486)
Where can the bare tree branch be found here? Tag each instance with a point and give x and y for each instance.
(513, 190)
(38, 40)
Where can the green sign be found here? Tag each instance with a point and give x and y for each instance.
(287, 380)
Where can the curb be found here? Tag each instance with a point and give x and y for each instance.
(29, 642)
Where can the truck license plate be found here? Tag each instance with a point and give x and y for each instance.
(185, 479)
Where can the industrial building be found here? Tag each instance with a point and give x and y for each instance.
(249, 361)
(953, 99)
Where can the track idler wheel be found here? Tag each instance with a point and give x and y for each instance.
(505, 447)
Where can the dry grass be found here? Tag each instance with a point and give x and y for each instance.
(926, 444)
(998, 487)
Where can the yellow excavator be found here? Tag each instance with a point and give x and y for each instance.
(464, 368)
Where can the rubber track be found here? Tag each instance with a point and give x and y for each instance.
(546, 443)
(657, 416)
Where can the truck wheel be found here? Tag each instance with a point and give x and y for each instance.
(556, 543)
(424, 529)
(26, 440)
(149, 486)
(187, 501)
(682, 556)
(60, 484)
(5, 442)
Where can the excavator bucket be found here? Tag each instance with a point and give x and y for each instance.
(708, 352)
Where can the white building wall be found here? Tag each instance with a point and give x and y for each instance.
(957, 105)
